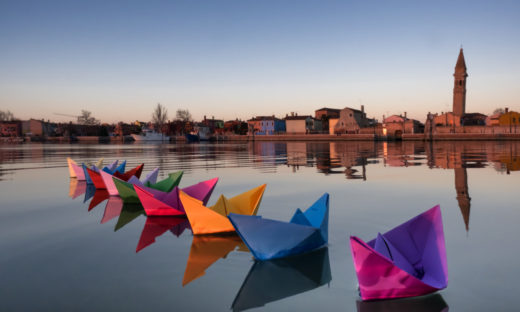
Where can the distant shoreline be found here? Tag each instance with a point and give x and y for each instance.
(286, 137)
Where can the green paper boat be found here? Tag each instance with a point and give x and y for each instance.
(128, 194)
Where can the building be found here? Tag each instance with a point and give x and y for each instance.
(214, 125)
(10, 128)
(304, 124)
(394, 126)
(266, 125)
(351, 120)
(32, 127)
(326, 114)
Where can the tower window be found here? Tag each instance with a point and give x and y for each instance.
(460, 82)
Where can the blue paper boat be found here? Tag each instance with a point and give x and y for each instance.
(270, 239)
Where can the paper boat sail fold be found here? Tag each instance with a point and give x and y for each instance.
(213, 220)
(409, 260)
(157, 203)
(270, 239)
(132, 172)
(269, 281)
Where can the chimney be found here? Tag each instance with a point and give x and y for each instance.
(362, 108)
(292, 114)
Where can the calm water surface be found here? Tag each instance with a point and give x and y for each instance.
(64, 247)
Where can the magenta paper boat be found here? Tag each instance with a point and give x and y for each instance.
(407, 261)
(157, 203)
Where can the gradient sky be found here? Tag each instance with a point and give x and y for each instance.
(241, 58)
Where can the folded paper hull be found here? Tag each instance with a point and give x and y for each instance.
(155, 207)
(109, 183)
(418, 265)
(96, 179)
(156, 203)
(271, 239)
(78, 170)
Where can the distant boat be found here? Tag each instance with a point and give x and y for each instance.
(149, 136)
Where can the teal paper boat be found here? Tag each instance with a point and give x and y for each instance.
(270, 239)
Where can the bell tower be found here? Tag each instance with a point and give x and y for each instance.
(459, 90)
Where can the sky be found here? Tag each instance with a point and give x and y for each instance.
(232, 59)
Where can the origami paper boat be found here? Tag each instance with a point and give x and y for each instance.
(108, 180)
(431, 303)
(271, 239)
(213, 220)
(157, 203)
(72, 171)
(269, 281)
(206, 250)
(157, 226)
(128, 174)
(407, 261)
(93, 176)
(77, 171)
(127, 192)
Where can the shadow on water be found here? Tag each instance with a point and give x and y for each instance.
(273, 280)
(430, 303)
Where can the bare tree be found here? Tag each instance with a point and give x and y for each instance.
(86, 118)
(183, 115)
(159, 116)
(499, 111)
(6, 116)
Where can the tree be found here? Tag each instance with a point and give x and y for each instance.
(499, 111)
(159, 117)
(183, 115)
(6, 116)
(86, 118)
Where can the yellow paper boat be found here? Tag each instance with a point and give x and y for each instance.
(213, 220)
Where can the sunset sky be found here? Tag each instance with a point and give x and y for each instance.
(237, 59)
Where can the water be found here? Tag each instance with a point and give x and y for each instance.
(59, 255)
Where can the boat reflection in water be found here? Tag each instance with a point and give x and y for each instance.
(272, 280)
(89, 192)
(112, 209)
(157, 226)
(430, 303)
(206, 250)
(129, 212)
(77, 188)
(98, 197)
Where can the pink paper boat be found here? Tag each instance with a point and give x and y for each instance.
(157, 203)
(409, 260)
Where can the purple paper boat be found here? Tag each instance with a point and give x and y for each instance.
(407, 261)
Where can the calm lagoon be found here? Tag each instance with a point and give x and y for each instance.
(65, 247)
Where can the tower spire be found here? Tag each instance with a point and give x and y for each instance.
(459, 88)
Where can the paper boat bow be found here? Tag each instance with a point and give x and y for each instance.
(407, 261)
